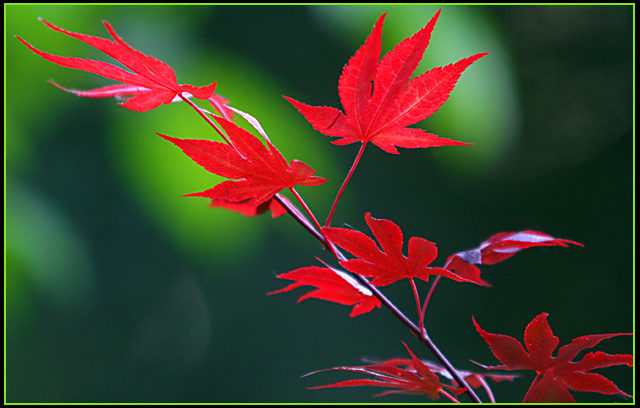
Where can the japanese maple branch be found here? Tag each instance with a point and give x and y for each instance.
(345, 182)
(420, 312)
(306, 207)
(420, 334)
(302, 220)
(432, 289)
(528, 394)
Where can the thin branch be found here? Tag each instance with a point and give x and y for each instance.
(202, 113)
(302, 220)
(417, 297)
(306, 207)
(345, 182)
(531, 387)
(431, 290)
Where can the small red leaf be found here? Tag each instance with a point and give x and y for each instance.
(389, 265)
(496, 249)
(150, 82)
(332, 285)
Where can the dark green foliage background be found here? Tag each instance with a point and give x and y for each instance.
(119, 290)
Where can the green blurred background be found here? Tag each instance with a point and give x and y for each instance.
(119, 290)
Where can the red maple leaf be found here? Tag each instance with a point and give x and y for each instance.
(151, 82)
(389, 265)
(262, 172)
(332, 285)
(420, 381)
(473, 379)
(498, 248)
(381, 115)
(556, 375)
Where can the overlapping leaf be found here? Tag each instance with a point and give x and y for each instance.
(262, 171)
(389, 265)
(332, 285)
(559, 374)
(421, 380)
(498, 248)
(381, 114)
(472, 378)
(150, 82)
(251, 210)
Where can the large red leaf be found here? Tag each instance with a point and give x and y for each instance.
(332, 285)
(389, 265)
(262, 171)
(381, 115)
(498, 248)
(559, 374)
(150, 82)
(420, 380)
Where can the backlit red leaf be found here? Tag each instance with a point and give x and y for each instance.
(381, 113)
(473, 379)
(332, 285)
(559, 374)
(389, 265)
(496, 249)
(149, 83)
(419, 381)
(262, 171)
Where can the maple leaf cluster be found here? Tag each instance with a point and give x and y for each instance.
(389, 265)
(380, 100)
(262, 172)
(555, 375)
